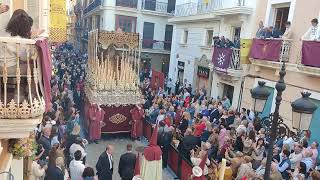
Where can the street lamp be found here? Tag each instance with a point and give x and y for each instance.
(302, 110)
(259, 96)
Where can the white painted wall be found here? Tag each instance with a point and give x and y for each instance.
(109, 19)
(192, 50)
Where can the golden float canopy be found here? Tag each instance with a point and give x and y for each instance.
(113, 68)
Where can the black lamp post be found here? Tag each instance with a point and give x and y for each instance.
(302, 110)
(259, 95)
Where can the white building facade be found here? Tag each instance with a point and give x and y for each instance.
(149, 18)
(196, 22)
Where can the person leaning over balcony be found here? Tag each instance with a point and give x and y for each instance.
(313, 32)
(260, 32)
(288, 33)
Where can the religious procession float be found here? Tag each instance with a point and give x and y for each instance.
(112, 82)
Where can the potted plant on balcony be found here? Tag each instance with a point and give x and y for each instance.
(22, 148)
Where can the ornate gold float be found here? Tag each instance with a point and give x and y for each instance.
(113, 68)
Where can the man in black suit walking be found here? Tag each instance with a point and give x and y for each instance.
(127, 163)
(54, 172)
(164, 140)
(104, 165)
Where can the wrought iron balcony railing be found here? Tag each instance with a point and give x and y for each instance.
(22, 92)
(127, 3)
(157, 6)
(235, 59)
(92, 6)
(156, 45)
(202, 7)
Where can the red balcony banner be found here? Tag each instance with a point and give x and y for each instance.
(266, 49)
(311, 53)
(221, 58)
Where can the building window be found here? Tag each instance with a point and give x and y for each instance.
(185, 36)
(148, 32)
(209, 36)
(281, 17)
(126, 23)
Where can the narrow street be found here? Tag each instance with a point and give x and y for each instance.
(120, 142)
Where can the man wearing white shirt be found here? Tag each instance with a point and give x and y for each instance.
(313, 32)
(296, 156)
(104, 165)
(76, 166)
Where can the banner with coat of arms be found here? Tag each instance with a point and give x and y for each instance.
(58, 21)
(221, 58)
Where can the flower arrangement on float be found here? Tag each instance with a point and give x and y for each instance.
(22, 148)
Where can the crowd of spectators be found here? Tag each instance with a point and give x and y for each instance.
(313, 32)
(61, 150)
(202, 127)
(223, 42)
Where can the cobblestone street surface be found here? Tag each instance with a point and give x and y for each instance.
(119, 142)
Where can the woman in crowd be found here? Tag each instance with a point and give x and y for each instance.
(184, 123)
(258, 153)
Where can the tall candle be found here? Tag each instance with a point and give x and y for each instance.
(222, 169)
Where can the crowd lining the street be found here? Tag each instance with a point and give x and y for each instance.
(200, 128)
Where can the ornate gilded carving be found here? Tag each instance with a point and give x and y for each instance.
(119, 39)
(118, 118)
(13, 105)
(112, 77)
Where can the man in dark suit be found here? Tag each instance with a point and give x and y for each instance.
(104, 165)
(189, 142)
(164, 140)
(45, 141)
(214, 114)
(127, 163)
(276, 33)
(55, 172)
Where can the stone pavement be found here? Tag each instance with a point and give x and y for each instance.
(119, 142)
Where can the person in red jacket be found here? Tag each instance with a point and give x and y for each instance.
(199, 128)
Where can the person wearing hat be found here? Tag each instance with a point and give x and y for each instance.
(96, 115)
(137, 114)
(152, 159)
(201, 160)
